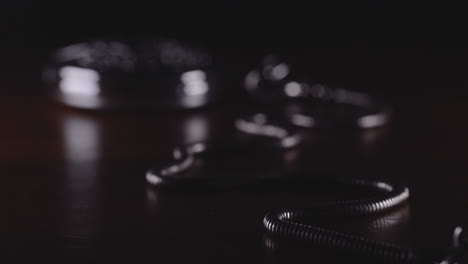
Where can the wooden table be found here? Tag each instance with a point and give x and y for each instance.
(73, 190)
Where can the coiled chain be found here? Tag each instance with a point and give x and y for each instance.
(290, 223)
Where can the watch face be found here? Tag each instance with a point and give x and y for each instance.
(138, 73)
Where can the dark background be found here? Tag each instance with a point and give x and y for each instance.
(378, 46)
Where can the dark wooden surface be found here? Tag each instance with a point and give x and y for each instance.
(72, 182)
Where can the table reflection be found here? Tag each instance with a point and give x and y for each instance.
(81, 138)
(90, 140)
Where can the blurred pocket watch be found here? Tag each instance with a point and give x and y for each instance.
(311, 104)
(144, 73)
